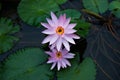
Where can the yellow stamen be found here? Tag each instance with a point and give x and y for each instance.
(60, 30)
(58, 54)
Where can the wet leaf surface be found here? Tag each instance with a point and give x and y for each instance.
(104, 48)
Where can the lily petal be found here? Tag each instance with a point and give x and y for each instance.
(71, 26)
(54, 18)
(46, 40)
(69, 39)
(50, 22)
(70, 31)
(59, 44)
(66, 44)
(53, 65)
(58, 65)
(67, 22)
(46, 25)
(47, 31)
(54, 39)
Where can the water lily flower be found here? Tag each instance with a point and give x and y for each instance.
(59, 58)
(60, 32)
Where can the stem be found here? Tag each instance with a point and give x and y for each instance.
(93, 14)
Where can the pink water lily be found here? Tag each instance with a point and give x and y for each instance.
(60, 32)
(59, 58)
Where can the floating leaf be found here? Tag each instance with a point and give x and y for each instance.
(35, 11)
(97, 6)
(82, 28)
(115, 7)
(74, 14)
(6, 31)
(84, 71)
(27, 64)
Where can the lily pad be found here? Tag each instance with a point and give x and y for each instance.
(35, 11)
(60, 1)
(115, 8)
(84, 71)
(74, 14)
(82, 28)
(27, 64)
(97, 6)
(6, 38)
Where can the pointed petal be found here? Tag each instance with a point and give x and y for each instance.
(54, 18)
(51, 61)
(59, 44)
(55, 37)
(48, 31)
(69, 55)
(46, 40)
(46, 25)
(69, 39)
(67, 62)
(74, 36)
(54, 51)
(53, 65)
(71, 26)
(64, 51)
(64, 17)
(66, 22)
(61, 20)
(50, 22)
(58, 65)
(70, 31)
(66, 44)
(47, 52)
(63, 64)
(52, 46)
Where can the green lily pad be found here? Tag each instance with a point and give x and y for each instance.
(115, 8)
(97, 6)
(82, 28)
(74, 14)
(60, 1)
(6, 30)
(35, 11)
(84, 71)
(27, 64)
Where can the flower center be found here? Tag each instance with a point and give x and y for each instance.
(60, 30)
(58, 54)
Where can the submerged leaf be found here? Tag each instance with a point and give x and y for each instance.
(97, 6)
(84, 71)
(6, 31)
(104, 47)
(35, 11)
(27, 64)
